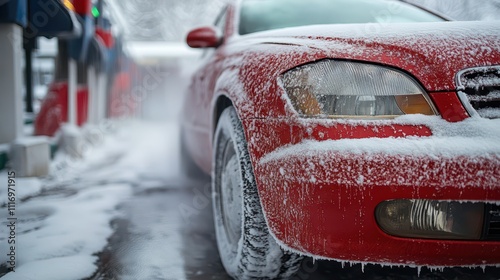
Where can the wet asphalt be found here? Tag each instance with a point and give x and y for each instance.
(167, 232)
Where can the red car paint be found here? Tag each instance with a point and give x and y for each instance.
(199, 38)
(335, 219)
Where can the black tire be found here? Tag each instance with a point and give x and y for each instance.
(246, 248)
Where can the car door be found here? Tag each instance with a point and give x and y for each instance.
(198, 103)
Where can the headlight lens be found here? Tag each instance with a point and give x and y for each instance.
(352, 89)
(431, 219)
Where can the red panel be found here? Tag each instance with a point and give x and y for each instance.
(54, 110)
(105, 37)
(449, 106)
(123, 103)
(82, 7)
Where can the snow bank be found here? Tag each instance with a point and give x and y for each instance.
(25, 187)
(127, 151)
(65, 233)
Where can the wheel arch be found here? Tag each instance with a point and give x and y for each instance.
(222, 102)
(255, 228)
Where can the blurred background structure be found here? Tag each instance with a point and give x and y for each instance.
(166, 20)
(169, 20)
(464, 9)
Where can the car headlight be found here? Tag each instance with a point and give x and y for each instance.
(431, 219)
(353, 89)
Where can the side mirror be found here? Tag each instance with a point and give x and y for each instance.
(204, 37)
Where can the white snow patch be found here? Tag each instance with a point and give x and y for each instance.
(472, 137)
(24, 187)
(361, 179)
(75, 228)
(132, 151)
(64, 268)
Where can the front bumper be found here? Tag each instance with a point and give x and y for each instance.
(319, 197)
(323, 204)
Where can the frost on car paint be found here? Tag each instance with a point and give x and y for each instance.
(321, 177)
(462, 157)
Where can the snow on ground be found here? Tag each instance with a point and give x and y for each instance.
(134, 150)
(63, 233)
(30, 187)
(62, 228)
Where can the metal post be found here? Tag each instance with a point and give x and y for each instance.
(28, 69)
(72, 91)
(93, 96)
(102, 95)
(11, 89)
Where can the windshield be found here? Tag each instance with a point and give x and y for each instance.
(261, 15)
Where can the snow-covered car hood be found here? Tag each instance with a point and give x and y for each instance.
(432, 52)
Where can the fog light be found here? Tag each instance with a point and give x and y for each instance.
(431, 219)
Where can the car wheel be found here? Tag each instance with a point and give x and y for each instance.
(247, 249)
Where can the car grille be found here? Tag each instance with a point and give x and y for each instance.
(492, 223)
(479, 91)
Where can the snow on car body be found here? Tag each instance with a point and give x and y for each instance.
(367, 142)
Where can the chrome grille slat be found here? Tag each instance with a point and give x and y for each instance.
(479, 91)
(492, 220)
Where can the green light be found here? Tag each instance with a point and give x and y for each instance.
(95, 12)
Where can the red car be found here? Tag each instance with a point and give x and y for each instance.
(352, 130)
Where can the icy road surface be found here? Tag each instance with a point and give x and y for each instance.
(124, 211)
